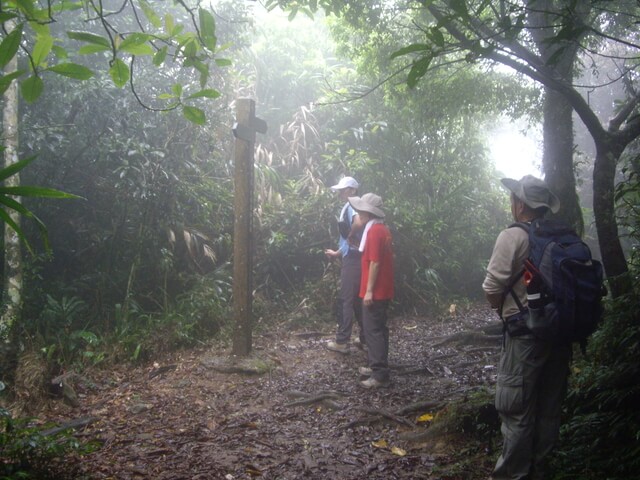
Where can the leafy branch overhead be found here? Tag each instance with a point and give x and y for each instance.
(137, 32)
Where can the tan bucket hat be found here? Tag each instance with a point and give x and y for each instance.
(533, 192)
(369, 202)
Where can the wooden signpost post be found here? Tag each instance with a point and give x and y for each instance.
(244, 130)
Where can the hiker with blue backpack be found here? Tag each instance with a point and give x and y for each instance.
(546, 288)
(349, 304)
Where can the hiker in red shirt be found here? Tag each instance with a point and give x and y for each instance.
(376, 286)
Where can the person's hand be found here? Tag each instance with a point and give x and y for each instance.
(367, 301)
(332, 253)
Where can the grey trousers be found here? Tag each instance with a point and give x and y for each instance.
(532, 382)
(349, 305)
(376, 331)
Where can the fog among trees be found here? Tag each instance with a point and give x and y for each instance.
(118, 128)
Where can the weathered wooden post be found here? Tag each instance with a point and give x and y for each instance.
(244, 130)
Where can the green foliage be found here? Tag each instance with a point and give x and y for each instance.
(157, 212)
(27, 449)
(186, 34)
(6, 200)
(62, 329)
(470, 426)
(601, 438)
(199, 313)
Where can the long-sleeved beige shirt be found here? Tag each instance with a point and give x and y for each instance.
(509, 252)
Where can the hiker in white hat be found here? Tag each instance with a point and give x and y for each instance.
(376, 287)
(348, 304)
(532, 374)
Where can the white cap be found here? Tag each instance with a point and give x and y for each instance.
(345, 182)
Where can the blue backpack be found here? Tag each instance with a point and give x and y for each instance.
(564, 284)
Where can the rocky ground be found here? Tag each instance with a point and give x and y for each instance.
(183, 417)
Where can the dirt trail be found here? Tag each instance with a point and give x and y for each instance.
(181, 419)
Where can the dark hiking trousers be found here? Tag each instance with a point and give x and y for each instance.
(374, 320)
(349, 304)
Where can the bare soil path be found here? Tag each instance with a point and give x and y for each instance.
(307, 417)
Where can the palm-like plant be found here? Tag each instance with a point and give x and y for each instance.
(8, 201)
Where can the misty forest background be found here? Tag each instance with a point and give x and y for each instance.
(140, 264)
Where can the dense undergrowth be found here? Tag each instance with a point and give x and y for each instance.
(601, 433)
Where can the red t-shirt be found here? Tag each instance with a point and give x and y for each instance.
(378, 249)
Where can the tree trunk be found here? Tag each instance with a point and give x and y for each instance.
(12, 252)
(557, 157)
(613, 259)
(544, 16)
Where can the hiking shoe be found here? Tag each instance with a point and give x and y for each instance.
(338, 347)
(365, 371)
(373, 383)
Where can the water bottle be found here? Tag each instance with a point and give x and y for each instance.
(537, 320)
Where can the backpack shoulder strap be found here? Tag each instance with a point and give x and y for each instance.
(524, 226)
(509, 289)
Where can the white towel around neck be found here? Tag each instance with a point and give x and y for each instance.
(370, 223)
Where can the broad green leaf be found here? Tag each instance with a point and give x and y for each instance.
(66, 6)
(416, 47)
(31, 88)
(208, 29)
(203, 68)
(26, 6)
(150, 13)
(4, 216)
(72, 70)
(418, 69)
(15, 167)
(194, 115)
(160, 56)
(6, 80)
(169, 24)
(224, 46)
(134, 49)
(40, 29)
(176, 89)
(41, 49)
(119, 72)
(134, 40)
(207, 93)
(89, 38)
(12, 204)
(190, 49)
(43, 192)
(92, 48)
(435, 35)
(5, 16)
(223, 62)
(60, 52)
(10, 45)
